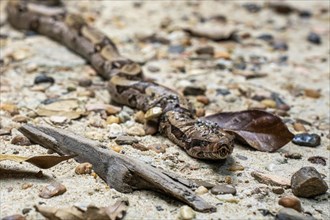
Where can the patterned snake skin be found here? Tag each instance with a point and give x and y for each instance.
(126, 82)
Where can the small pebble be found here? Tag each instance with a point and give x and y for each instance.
(203, 99)
(115, 130)
(278, 190)
(228, 180)
(207, 185)
(136, 131)
(140, 147)
(158, 148)
(20, 118)
(52, 190)
(205, 50)
(186, 213)
(31, 67)
(252, 7)
(269, 103)
(318, 160)
(305, 139)
(266, 37)
(223, 189)
(116, 148)
(299, 127)
(153, 69)
(307, 182)
(194, 90)
(201, 190)
(43, 79)
(280, 45)
(153, 113)
(27, 185)
(60, 120)
(122, 140)
(314, 38)
(111, 109)
(222, 92)
(223, 56)
(113, 119)
(236, 167)
(291, 214)
(311, 93)
(84, 168)
(139, 117)
(14, 217)
(20, 140)
(305, 14)
(124, 116)
(290, 202)
(26, 210)
(11, 108)
(200, 112)
(176, 49)
(85, 82)
(159, 208)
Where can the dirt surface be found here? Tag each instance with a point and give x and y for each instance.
(299, 75)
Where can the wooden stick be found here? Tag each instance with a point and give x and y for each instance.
(118, 171)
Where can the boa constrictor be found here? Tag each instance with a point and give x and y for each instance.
(127, 85)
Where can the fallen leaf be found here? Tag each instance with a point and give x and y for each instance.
(116, 211)
(318, 160)
(43, 162)
(51, 190)
(259, 129)
(216, 34)
(68, 108)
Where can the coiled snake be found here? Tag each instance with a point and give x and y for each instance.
(127, 85)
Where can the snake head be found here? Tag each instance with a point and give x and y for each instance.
(215, 146)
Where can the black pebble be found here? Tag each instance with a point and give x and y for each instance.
(176, 49)
(266, 37)
(43, 79)
(223, 92)
(280, 45)
(314, 38)
(305, 139)
(252, 8)
(305, 14)
(159, 208)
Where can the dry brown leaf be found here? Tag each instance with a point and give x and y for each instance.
(68, 108)
(43, 162)
(259, 129)
(113, 212)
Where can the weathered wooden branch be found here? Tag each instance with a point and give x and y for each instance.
(118, 171)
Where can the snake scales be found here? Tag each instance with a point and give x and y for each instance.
(127, 85)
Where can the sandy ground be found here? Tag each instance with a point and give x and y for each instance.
(307, 67)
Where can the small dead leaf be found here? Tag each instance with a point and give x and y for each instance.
(259, 129)
(116, 211)
(68, 108)
(54, 189)
(43, 162)
(318, 160)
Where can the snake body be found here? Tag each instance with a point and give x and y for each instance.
(126, 85)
